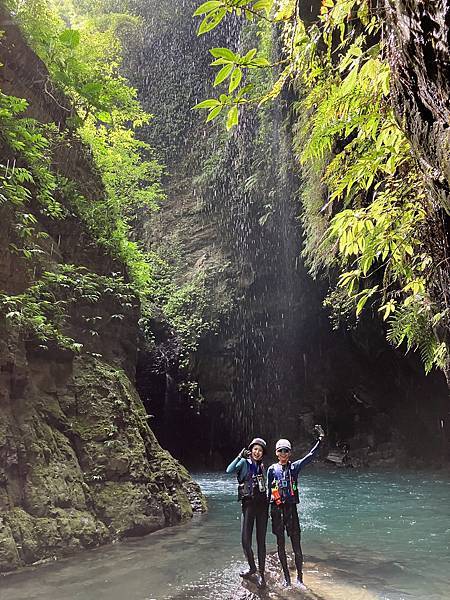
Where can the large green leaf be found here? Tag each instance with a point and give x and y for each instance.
(210, 103)
(223, 73)
(207, 7)
(223, 53)
(235, 79)
(232, 117)
(211, 20)
(70, 38)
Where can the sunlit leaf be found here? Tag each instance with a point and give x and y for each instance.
(70, 38)
(223, 53)
(265, 5)
(235, 79)
(250, 55)
(211, 21)
(232, 117)
(207, 7)
(210, 103)
(223, 74)
(214, 113)
(104, 116)
(260, 62)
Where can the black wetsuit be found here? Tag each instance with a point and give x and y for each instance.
(254, 509)
(284, 515)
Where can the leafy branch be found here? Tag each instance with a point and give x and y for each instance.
(374, 207)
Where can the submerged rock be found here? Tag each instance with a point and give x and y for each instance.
(321, 584)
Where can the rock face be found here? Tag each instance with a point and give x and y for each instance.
(275, 367)
(419, 55)
(230, 215)
(79, 465)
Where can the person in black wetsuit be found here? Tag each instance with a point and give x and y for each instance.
(252, 492)
(282, 488)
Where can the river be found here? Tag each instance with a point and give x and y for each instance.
(365, 534)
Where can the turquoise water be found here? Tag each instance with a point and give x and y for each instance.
(390, 530)
(377, 533)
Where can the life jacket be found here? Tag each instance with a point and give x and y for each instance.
(284, 486)
(254, 482)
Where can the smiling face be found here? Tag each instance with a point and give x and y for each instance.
(257, 452)
(283, 455)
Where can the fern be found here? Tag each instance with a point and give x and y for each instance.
(410, 325)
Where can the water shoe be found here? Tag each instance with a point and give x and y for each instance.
(299, 585)
(247, 574)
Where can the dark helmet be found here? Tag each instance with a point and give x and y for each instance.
(258, 441)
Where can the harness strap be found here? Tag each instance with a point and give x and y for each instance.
(284, 484)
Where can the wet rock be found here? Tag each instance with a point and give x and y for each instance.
(60, 533)
(79, 465)
(335, 457)
(322, 583)
(419, 54)
(87, 469)
(231, 211)
(9, 556)
(129, 509)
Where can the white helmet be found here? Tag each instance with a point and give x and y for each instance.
(283, 444)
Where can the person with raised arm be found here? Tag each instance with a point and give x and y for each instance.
(282, 486)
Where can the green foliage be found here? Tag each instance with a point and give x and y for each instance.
(81, 48)
(26, 174)
(414, 326)
(131, 180)
(374, 187)
(186, 310)
(214, 11)
(365, 206)
(43, 310)
(234, 69)
(29, 166)
(84, 62)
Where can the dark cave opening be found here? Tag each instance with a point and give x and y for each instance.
(195, 433)
(366, 396)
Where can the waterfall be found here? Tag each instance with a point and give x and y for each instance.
(274, 366)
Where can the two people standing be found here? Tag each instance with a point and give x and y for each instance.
(277, 488)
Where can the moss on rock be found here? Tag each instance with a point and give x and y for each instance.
(81, 467)
(59, 534)
(9, 556)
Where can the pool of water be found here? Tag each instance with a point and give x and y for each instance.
(372, 534)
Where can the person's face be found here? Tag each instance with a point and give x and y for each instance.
(257, 452)
(283, 455)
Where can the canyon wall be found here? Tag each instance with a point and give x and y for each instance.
(79, 465)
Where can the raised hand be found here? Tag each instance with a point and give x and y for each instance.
(318, 429)
(244, 453)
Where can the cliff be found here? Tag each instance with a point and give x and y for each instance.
(232, 206)
(419, 56)
(79, 465)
